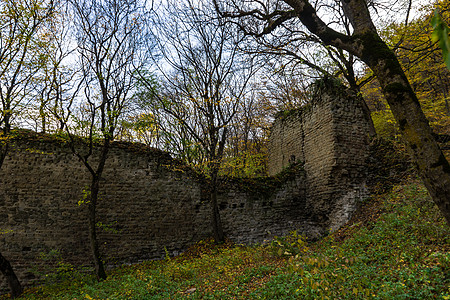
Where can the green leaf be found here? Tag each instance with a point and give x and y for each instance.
(440, 34)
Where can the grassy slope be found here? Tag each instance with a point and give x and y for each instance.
(399, 248)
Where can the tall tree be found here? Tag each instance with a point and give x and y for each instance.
(422, 60)
(245, 153)
(365, 43)
(20, 23)
(303, 56)
(423, 64)
(56, 84)
(109, 36)
(205, 79)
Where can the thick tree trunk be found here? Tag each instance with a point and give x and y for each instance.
(365, 43)
(13, 282)
(98, 263)
(431, 164)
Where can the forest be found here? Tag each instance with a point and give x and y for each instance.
(204, 80)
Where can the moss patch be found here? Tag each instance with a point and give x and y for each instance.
(263, 185)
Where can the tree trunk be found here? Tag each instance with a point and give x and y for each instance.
(5, 267)
(219, 236)
(365, 43)
(367, 115)
(92, 199)
(431, 164)
(98, 263)
(13, 282)
(366, 110)
(350, 76)
(4, 147)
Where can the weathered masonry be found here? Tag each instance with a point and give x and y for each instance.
(150, 202)
(329, 136)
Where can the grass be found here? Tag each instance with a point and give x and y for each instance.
(398, 247)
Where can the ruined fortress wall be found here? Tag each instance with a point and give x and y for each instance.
(329, 136)
(148, 203)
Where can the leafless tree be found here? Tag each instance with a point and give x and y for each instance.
(109, 37)
(20, 23)
(56, 84)
(246, 153)
(263, 17)
(302, 56)
(205, 81)
(283, 89)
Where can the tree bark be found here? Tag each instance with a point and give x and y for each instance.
(4, 147)
(219, 236)
(365, 43)
(92, 206)
(432, 166)
(5, 267)
(215, 159)
(13, 282)
(95, 189)
(92, 199)
(367, 115)
(365, 109)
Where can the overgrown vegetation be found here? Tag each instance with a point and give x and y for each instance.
(213, 120)
(398, 247)
(264, 185)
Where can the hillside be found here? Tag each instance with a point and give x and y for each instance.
(397, 247)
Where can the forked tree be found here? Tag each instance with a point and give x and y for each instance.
(56, 84)
(109, 36)
(205, 82)
(302, 56)
(20, 23)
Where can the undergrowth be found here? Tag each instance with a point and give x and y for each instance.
(400, 251)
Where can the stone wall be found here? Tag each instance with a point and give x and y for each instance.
(329, 136)
(150, 202)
